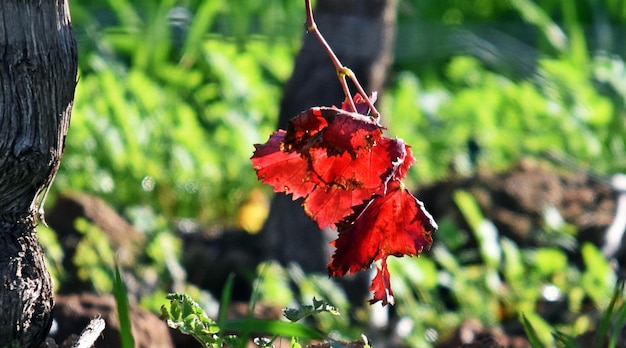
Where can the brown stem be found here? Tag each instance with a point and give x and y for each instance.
(342, 71)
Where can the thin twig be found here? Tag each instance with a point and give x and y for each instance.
(90, 334)
(342, 71)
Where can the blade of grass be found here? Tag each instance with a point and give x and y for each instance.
(256, 290)
(273, 327)
(564, 340)
(620, 314)
(227, 292)
(605, 322)
(618, 325)
(531, 334)
(202, 20)
(123, 311)
(534, 14)
(484, 230)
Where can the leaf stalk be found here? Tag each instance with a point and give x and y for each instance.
(342, 71)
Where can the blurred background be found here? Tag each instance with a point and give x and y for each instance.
(515, 111)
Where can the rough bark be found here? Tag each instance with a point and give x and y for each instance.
(361, 34)
(38, 64)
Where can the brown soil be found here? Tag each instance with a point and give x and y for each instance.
(72, 313)
(516, 200)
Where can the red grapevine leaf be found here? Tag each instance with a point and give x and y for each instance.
(340, 130)
(326, 207)
(286, 171)
(351, 132)
(381, 286)
(304, 127)
(399, 157)
(346, 181)
(343, 182)
(393, 224)
(337, 160)
(365, 170)
(404, 161)
(349, 175)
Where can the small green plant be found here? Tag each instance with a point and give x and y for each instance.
(319, 306)
(185, 315)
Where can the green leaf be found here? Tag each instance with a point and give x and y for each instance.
(531, 334)
(484, 230)
(123, 311)
(564, 340)
(550, 260)
(598, 278)
(319, 306)
(185, 315)
(609, 315)
(227, 292)
(535, 15)
(294, 343)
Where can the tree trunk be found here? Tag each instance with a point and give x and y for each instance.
(38, 65)
(361, 34)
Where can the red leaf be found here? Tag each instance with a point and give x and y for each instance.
(286, 171)
(346, 181)
(351, 132)
(392, 224)
(326, 207)
(381, 286)
(350, 176)
(304, 127)
(340, 131)
(404, 162)
(401, 158)
(343, 182)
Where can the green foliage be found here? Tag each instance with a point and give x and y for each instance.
(531, 334)
(610, 327)
(534, 14)
(188, 317)
(275, 286)
(572, 103)
(274, 327)
(319, 306)
(225, 301)
(598, 278)
(185, 315)
(614, 318)
(484, 231)
(94, 257)
(495, 282)
(135, 141)
(561, 110)
(154, 119)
